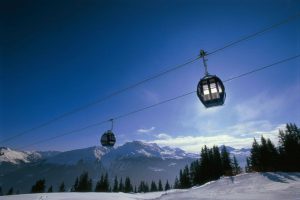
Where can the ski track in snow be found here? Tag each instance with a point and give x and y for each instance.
(275, 186)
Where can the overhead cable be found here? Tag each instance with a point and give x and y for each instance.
(157, 104)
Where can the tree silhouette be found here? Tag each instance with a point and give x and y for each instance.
(121, 185)
(62, 187)
(128, 187)
(50, 189)
(143, 187)
(153, 187)
(160, 187)
(39, 186)
(116, 188)
(10, 191)
(236, 168)
(167, 186)
(289, 147)
(83, 183)
(102, 185)
(226, 162)
(176, 183)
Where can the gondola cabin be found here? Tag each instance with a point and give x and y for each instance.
(211, 91)
(108, 139)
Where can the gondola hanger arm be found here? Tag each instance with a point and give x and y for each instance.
(202, 55)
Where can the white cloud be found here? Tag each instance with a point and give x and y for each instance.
(195, 143)
(142, 130)
(163, 136)
(237, 136)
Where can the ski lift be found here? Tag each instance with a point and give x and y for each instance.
(108, 138)
(210, 90)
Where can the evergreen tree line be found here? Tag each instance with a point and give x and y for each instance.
(83, 183)
(9, 192)
(286, 157)
(212, 164)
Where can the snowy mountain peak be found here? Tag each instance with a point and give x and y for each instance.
(100, 151)
(17, 157)
(134, 149)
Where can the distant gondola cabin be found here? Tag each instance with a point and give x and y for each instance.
(108, 139)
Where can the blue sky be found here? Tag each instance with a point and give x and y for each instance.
(57, 56)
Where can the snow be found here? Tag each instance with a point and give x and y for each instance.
(145, 153)
(275, 186)
(17, 157)
(155, 169)
(83, 196)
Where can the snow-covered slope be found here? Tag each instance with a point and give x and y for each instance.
(275, 186)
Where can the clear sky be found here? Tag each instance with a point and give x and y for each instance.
(59, 55)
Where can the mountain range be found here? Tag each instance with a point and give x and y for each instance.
(137, 160)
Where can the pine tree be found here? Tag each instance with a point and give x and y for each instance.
(1, 192)
(248, 165)
(10, 191)
(264, 156)
(128, 187)
(75, 186)
(216, 163)
(184, 178)
(116, 188)
(177, 183)
(153, 187)
(140, 188)
(167, 186)
(39, 186)
(106, 183)
(83, 183)
(143, 187)
(255, 156)
(102, 185)
(289, 146)
(273, 156)
(50, 189)
(135, 190)
(160, 187)
(62, 187)
(204, 174)
(236, 168)
(121, 186)
(146, 187)
(226, 162)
